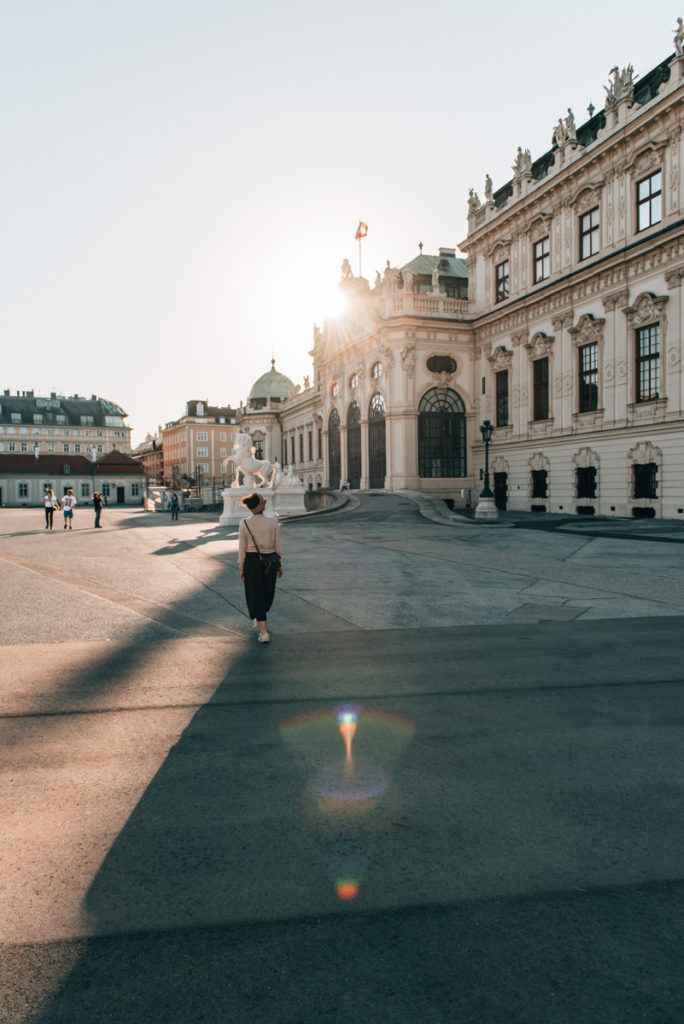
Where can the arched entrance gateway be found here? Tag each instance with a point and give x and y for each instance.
(354, 445)
(377, 460)
(441, 434)
(334, 451)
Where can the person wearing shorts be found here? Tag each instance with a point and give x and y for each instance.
(68, 502)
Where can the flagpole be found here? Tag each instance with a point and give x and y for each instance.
(360, 275)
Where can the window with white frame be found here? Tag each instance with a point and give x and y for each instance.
(542, 259)
(222, 435)
(202, 435)
(135, 490)
(202, 453)
(23, 490)
(85, 490)
(223, 452)
(503, 278)
(649, 200)
(66, 447)
(15, 417)
(11, 446)
(105, 490)
(51, 446)
(23, 446)
(589, 233)
(648, 363)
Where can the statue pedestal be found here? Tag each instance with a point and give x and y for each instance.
(486, 510)
(234, 511)
(279, 503)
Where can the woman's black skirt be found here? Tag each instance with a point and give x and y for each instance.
(259, 587)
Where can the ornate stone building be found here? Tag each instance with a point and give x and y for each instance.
(563, 327)
(575, 298)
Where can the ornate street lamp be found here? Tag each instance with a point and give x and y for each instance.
(486, 430)
(486, 506)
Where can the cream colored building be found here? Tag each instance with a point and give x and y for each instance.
(57, 425)
(195, 446)
(575, 298)
(564, 329)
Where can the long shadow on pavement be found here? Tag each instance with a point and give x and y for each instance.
(233, 895)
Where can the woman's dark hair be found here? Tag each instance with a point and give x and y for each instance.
(252, 501)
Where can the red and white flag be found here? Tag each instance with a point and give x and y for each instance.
(361, 231)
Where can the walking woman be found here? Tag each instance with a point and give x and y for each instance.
(258, 535)
(51, 503)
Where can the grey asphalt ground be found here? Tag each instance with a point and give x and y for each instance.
(191, 830)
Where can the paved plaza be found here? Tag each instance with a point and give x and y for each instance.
(449, 791)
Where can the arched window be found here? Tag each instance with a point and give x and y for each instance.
(354, 445)
(334, 450)
(354, 381)
(376, 371)
(377, 461)
(441, 434)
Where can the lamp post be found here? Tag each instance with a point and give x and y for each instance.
(486, 506)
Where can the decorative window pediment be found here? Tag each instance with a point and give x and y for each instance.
(539, 227)
(647, 159)
(647, 309)
(586, 196)
(587, 330)
(540, 346)
(585, 458)
(500, 359)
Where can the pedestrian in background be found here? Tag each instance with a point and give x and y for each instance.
(174, 506)
(97, 505)
(51, 503)
(258, 535)
(68, 504)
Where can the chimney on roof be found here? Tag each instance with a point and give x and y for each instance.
(447, 253)
(53, 394)
(18, 394)
(6, 392)
(93, 398)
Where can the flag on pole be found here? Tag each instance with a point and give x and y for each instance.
(361, 231)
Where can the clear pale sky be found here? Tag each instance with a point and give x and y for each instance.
(181, 181)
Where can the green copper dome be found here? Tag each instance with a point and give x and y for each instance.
(272, 385)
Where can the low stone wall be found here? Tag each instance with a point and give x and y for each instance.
(323, 498)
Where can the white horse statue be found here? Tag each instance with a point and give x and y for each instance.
(242, 457)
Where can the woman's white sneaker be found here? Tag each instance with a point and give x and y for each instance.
(263, 638)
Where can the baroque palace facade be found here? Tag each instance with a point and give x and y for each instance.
(563, 327)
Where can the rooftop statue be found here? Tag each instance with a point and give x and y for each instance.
(523, 163)
(621, 87)
(679, 38)
(435, 280)
(474, 203)
(570, 127)
(347, 272)
(488, 190)
(407, 277)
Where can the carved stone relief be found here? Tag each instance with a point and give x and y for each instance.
(539, 461)
(585, 458)
(540, 346)
(647, 309)
(645, 452)
(588, 330)
(673, 278)
(501, 359)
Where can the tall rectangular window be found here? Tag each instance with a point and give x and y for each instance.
(301, 447)
(310, 446)
(588, 377)
(541, 389)
(503, 277)
(589, 233)
(648, 363)
(502, 398)
(202, 435)
(650, 201)
(542, 260)
(645, 480)
(586, 481)
(23, 490)
(292, 450)
(540, 483)
(85, 490)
